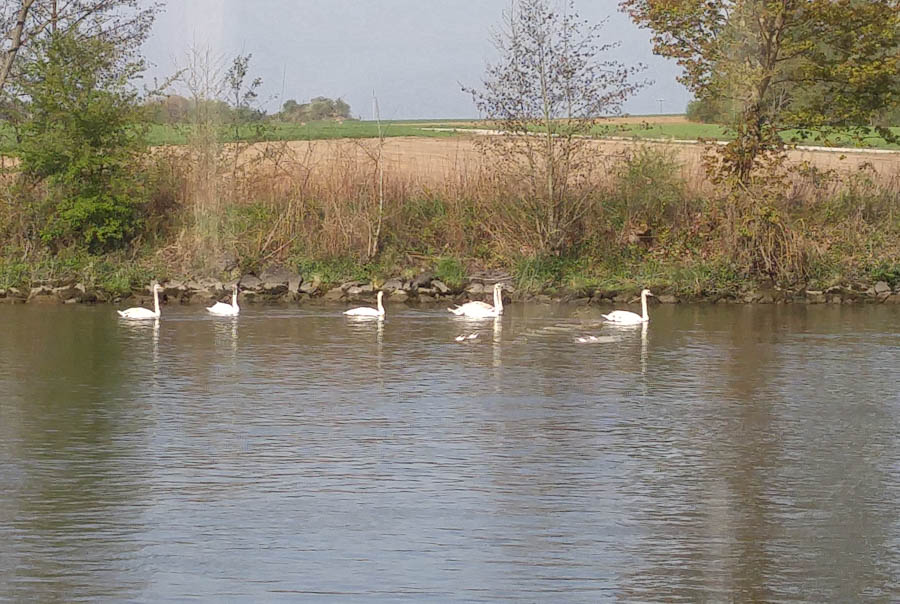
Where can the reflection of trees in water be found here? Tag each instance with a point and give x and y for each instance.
(746, 452)
(546, 478)
(740, 500)
(702, 466)
(719, 454)
(78, 437)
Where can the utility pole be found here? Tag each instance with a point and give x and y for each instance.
(660, 101)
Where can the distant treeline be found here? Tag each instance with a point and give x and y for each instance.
(176, 109)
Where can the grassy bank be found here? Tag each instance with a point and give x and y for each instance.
(642, 223)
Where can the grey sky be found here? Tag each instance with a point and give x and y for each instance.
(412, 53)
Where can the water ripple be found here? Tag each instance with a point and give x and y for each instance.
(730, 453)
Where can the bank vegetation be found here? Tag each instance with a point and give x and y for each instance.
(87, 198)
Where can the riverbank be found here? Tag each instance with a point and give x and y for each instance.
(283, 286)
(343, 219)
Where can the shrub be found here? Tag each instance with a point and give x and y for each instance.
(83, 140)
(650, 187)
(886, 271)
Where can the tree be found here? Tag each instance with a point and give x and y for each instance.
(545, 93)
(341, 108)
(82, 140)
(709, 111)
(242, 94)
(819, 66)
(318, 108)
(123, 24)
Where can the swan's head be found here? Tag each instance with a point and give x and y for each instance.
(647, 292)
(234, 288)
(380, 295)
(157, 288)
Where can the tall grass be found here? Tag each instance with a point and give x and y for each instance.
(648, 221)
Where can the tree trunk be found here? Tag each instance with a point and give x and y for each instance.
(15, 38)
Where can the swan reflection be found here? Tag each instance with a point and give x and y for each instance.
(379, 348)
(498, 332)
(227, 331)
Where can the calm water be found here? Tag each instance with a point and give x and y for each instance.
(727, 453)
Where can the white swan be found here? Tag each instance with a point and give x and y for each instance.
(464, 338)
(222, 309)
(138, 312)
(626, 317)
(482, 310)
(366, 311)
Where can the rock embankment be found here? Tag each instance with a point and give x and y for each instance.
(284, 286)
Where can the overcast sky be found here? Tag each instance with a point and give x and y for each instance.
(411, 53)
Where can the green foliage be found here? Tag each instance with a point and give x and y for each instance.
(709, 111)
(14, 273)
(121, 279)
(451, 271)
(819, 66)
(317, 109)
(540, 272)
(101, 221)
(83, 140)
(886, 271)
(116, 274)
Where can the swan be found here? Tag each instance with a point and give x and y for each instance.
(366, 311)
(626, 317)
(463, 338)
(482, 310)
(138, 312)
(226, 310)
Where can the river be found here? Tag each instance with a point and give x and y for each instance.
(723, 453)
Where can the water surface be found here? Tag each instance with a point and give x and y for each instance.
(724, 453)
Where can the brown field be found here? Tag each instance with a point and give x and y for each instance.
(425, 161)
(435, 160)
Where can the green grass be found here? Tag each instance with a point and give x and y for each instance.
(886, 271)
(694, 131)
(7, 138)
(451, 271)
(161, 134)
(689, 131)
(285, 131)
(115, 274)
(330, 271)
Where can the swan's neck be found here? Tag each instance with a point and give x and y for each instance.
(646, 316)
(498, 300)
(156, 301)
(380, 306)
(234, 299)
